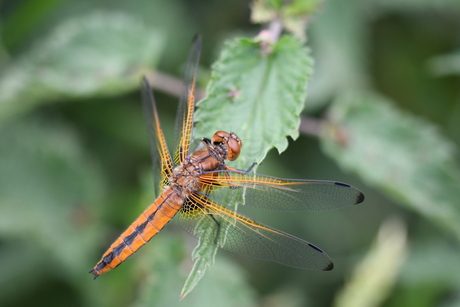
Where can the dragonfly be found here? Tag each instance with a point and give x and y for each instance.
(196, 184)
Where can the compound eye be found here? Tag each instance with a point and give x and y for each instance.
(220, 137)
(234, 147)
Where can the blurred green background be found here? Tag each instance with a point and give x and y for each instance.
(75, 166)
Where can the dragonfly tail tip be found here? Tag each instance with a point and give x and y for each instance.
(96, 275)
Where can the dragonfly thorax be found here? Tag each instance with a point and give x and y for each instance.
(185, 177)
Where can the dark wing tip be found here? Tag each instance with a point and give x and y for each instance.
(360, 198)
(329, 267)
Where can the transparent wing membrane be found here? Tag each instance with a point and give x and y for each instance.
(161, 158)
(239, 234)
(185, 111)
(282, 194)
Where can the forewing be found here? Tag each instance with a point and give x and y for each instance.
(185, 111)
(282, 194)
(239, 234)
(161, 158)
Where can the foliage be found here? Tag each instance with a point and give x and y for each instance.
(85, 57)
(416, 164)
(74, 155)
(266, 90)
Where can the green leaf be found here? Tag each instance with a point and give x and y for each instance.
(48, 191)
(160, 263)
(20, 263)
(297, 14)
(88, 56)
(25, 18)
(340, 46)
(429, 273)
(204, 254)
(264, 11)
(402, 155)
(293, 14)
(413, 5)
(448, 64)
(224, 286)
(432, 261)
(376, 274)
(256, 95)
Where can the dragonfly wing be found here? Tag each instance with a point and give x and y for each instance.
(161, 158)
(239, 234)
(282, 194)
(185, 111)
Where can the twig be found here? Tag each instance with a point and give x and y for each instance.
(275, 28)
(311, 126)
(171, 85)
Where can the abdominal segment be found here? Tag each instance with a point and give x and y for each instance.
(148, 224)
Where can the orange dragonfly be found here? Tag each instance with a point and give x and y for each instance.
(196, 182)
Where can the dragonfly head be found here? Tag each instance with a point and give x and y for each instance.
(230, 141)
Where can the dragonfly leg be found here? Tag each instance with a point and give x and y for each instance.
(196, 203)
(218, 228)
(240, 171)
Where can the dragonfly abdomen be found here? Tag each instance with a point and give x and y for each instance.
(148, 224)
